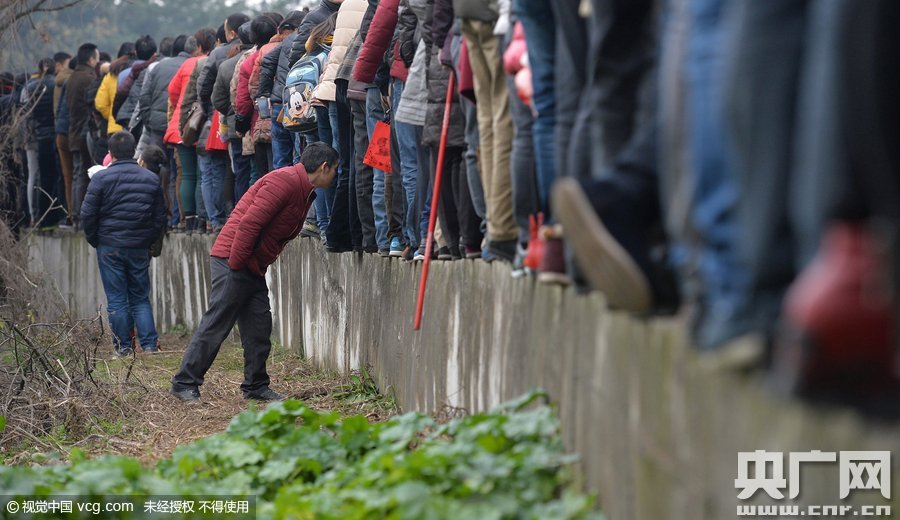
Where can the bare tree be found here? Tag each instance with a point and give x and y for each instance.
(13, 13)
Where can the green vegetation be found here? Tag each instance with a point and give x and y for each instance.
(299, 463)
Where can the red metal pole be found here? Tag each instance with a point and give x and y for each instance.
(435, 199)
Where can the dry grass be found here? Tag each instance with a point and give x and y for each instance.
(147, 422)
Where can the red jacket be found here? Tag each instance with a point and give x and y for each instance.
(243, 104)
(267, 217)
(378, 41)
(176, 94)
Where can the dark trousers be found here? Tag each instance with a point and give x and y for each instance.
(394, 193)
(237, 297)
(343, 228)
(526, 194)
(620, 52)
(241, 165)
(459, 222)
(81, 161)
(571, 35)
(49, 200)
(365, 176)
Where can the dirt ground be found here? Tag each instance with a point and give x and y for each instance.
(149, 422)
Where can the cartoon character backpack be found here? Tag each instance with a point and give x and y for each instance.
(299, 114)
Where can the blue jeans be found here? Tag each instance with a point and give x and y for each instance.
(241, 165)
(540, 33)
(375, 113)
(423, 187)
(715, 194)
(324, 196)
(126, 281)
(409, 165)
(282, 142)
(213, 167)
(173, 182)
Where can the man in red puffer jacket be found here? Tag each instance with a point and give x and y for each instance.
(267, 217)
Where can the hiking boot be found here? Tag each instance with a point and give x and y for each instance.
(504, 250)
(188, 394)
(264, 394)
(553, 264)
(604, 261)
(396, 247)
(310, 230)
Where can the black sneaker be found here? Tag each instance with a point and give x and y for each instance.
(504, 250)
(444, 254)
(337, 249)
(264, 394)
(188, 394)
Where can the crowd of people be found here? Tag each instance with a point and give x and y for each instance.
(727, 154)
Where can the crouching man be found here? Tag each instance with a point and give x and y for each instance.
(266, 218)
(123, 214)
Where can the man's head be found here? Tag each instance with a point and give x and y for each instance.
(232, 23)
(206, 39)
(262, 29)
(320, 162)
(88, 55)
(191, 47)
(244, 34)
(145, 47)
(178, 46)
(61, 59)
(291, 22)
(121, 145)
(221, 38)
(166, 45)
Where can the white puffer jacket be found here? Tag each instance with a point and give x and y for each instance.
(346, 26)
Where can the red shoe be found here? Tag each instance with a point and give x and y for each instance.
(553, 263)
(535, 243)
(840, 330)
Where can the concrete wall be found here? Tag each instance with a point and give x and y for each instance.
(658, 435)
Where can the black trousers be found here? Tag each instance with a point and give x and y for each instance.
(459, 222)
(50, 196)
(343, 228)
(237, 297)
(365, 176)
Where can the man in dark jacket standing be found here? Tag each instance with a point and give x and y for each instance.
(123, 214)
(80, 110)
(267, 217)
(40, 92)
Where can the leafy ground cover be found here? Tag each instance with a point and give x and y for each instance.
(302, 463)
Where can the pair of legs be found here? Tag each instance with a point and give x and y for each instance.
(237, 297)
(126, 281)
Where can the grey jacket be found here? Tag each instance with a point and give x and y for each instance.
(207, 78)
(125, 114)
(484, 10)
(414, 101)
(221, 96)
(154, 105)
